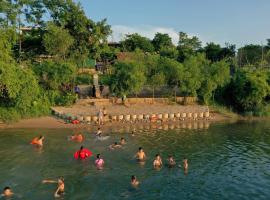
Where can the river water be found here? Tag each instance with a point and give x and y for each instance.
(226, 161)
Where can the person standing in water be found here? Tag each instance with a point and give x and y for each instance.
(60, 186)
(99, 162)
(134, 182)
(7, 192)
(140, 155)
(171, 162)
(157, 163)
(185, 165)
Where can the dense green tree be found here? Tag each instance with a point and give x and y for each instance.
(192, 77)
(136, 41)
(249, 89)
(187, 46)
(215, 75)
(250, 55)
(57, 40)
(169, 52)
(162, 40)
(128, 77)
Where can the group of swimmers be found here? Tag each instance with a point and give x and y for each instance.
(84, 153)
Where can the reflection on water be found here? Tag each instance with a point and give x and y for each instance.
(226, 161)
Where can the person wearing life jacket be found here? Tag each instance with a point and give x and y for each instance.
(38, 141)
(77, 138)
(82, 154)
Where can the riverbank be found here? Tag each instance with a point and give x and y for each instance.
(52, 122)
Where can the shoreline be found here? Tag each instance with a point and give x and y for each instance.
(51, 122)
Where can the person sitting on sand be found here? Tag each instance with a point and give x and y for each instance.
(157, 163)
(134, 181)
(38, 141)
(171, 161)
(99, 132)
(115, 146)
(7, 192)
(77, 137)
(140, 155)
(99, 162)
(60, 186)
(122, 141)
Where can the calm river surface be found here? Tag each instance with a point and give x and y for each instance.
(226, 161)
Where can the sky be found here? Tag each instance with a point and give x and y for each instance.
(237, 22)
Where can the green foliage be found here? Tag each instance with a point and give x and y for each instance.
(55, 75)
(162, 41)
(250, 89)
(84, 79)
(192, 77)
(20, 92)
(187, 46)
(169, 52)
(128, 78)
(57, 40)
(215, 52)
(250, 55)
(135, 41)
(215, 75)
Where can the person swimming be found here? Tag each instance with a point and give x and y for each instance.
(99, 132)
(60, 186)
(140, 155)
(122, 141)
(99, 162)
(77, 137)
(134, 181)
(171, 161)
(115, 145)
(38, 141)
(157, 163)
(7, 192)
(82, 154)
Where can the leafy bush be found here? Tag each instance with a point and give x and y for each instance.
(84, 79)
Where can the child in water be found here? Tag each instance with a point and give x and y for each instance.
(99, 162)
(134, 181)
(122, 141)
(60, 186)
(7, 192)
(157, 162)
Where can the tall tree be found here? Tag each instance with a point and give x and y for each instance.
(187, 46)
(57, 40)
(136, 41)
(162, 40)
